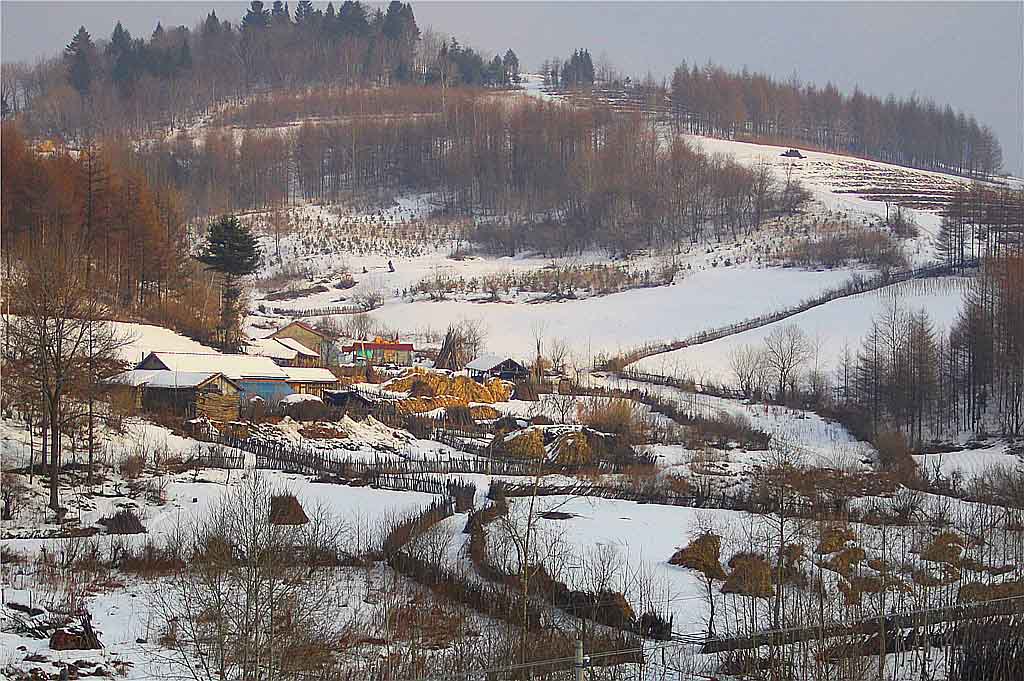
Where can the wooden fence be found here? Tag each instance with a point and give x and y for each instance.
(297, 313)
(855, 286)
(501, 489)
(219, 459)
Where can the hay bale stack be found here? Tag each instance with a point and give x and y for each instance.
(572, 448)
(750, 575)
(525, 444)
(462, 387)
(285, 509)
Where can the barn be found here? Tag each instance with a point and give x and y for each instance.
(255, 376)
(497, 366)
(312, 339)
(189, 394)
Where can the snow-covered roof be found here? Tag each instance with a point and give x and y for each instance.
(162, 378)
(279, 348)
(486, 362)
(309, 375)
(296, 398)
(270, 347)
(298, 347)
(235, 367)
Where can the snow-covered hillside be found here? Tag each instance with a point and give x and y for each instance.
(833, 328)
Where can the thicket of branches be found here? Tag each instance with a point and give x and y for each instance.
(129, 231)
(535, 175)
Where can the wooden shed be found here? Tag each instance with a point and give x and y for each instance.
(497, 366)
(311, 380)
(380, 351)
(189, 394)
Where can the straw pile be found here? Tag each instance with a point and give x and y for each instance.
(572, 448)
(462, 387)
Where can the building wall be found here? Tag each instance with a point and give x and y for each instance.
(310, 340)
(269, 390)
(313, 388)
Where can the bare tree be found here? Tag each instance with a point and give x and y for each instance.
(256, 596)
(58, 343)
(787, 349)
(746, 364)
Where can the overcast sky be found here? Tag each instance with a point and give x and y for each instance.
(966, 54)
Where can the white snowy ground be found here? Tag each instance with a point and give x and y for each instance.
(831, 327)
(969, 462)
(815, 440)
(830, 176)
(615, 322)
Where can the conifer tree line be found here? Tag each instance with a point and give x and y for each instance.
(576, 71)
(534, 175)
(138, 84)
(912, 132)
(925, 383)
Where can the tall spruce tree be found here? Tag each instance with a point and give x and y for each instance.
(80, 58)
(256, 17)
(232, 251)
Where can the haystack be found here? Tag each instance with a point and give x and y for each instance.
(525, 444)
(702, 554)
(751, 575)
(421, 388)
(285, 509)
(462, 387)
(572, 448)
(482, 412)
(421, 405)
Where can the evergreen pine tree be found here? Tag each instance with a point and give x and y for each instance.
(303, 12)
(257, 17)
(511, 64)
(211, 26)
(233, 252)
(123, 63)
(80, 58)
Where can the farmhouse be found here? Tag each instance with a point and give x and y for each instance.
(255, 376)
(380, 351)
(286, 352)
(496, 366)
(311, 339)
(311, 380)
(184, 393)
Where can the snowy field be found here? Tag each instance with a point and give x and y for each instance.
(846, 184)
(619, 321)
(832, 328)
